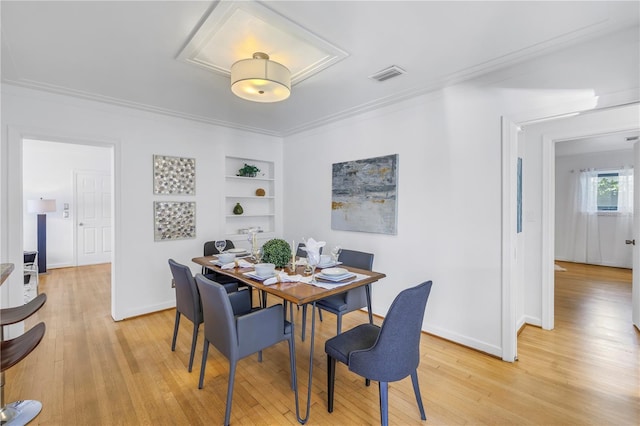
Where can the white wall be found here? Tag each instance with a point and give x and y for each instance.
(48, 173)
(449, 212)
(141, 275)
(614, 251)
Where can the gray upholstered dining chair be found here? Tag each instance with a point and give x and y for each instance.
(188, 303)
(237, 330)
(386, 354)
(349, 301)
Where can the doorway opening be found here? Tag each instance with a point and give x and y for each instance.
(531, 299)
(594, 199)
(79, 177)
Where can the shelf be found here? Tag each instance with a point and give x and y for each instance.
(261, 236)
(259, 211)
(251, 178)
(255, 197)
(238, 216)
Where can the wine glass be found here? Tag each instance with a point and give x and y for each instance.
(257, 254)
(335, 253)
(220, 245)
(313, 258)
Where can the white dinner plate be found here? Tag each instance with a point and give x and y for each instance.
(235, 250)
(329, 265)
(336, 278)
(255, 276)
(335, 272)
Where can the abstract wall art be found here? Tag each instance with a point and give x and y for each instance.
(364, 195)
(174, 175)
(174, 220)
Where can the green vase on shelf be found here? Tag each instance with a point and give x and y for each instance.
(238, 209)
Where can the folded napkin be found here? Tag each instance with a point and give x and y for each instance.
(238, 263)
(282, 277)
(312, 247)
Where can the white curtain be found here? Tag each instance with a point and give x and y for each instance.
(583, 239)
(584, 244)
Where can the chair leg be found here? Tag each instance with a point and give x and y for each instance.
(368, 292)
(339, 327)
(175, 331)
(320, 314)
(232, 375)
(416, 390)
(194, 339)
(331, 379)
(205, 352)
(384, 403)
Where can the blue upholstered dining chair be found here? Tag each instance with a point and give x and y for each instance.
(386, 354)
(349, 301)
(237, 330)
(188, 303)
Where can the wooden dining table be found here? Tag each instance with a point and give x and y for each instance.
(298, 293)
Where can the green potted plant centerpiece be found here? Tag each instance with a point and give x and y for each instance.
(248, 170)
(276, 251)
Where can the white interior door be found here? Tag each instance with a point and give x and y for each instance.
(93, 218)
(635, 283)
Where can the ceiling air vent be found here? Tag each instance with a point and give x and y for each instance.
(387, 73)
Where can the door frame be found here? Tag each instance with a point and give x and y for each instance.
(549, 208)
(14, 234)
(509, 241)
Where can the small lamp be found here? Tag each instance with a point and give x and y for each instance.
(260, 79)
(41, 207)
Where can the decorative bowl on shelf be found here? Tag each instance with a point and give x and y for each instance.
(260, 192)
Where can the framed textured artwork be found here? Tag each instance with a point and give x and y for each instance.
(364, 195)
(174, 220)
(174, 175)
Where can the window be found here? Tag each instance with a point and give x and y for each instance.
(607, 184)
(606, 191)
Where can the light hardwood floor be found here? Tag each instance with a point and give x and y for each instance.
(90, 370)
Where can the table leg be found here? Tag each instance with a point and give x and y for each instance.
(304, 420)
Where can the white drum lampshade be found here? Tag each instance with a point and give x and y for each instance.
(41, 206)
(260, 79)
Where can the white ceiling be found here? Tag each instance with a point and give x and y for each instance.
(127, 52)
(620, 141)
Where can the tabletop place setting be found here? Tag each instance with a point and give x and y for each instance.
(329, 275)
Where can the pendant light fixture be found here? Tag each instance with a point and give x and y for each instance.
(260, 79)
